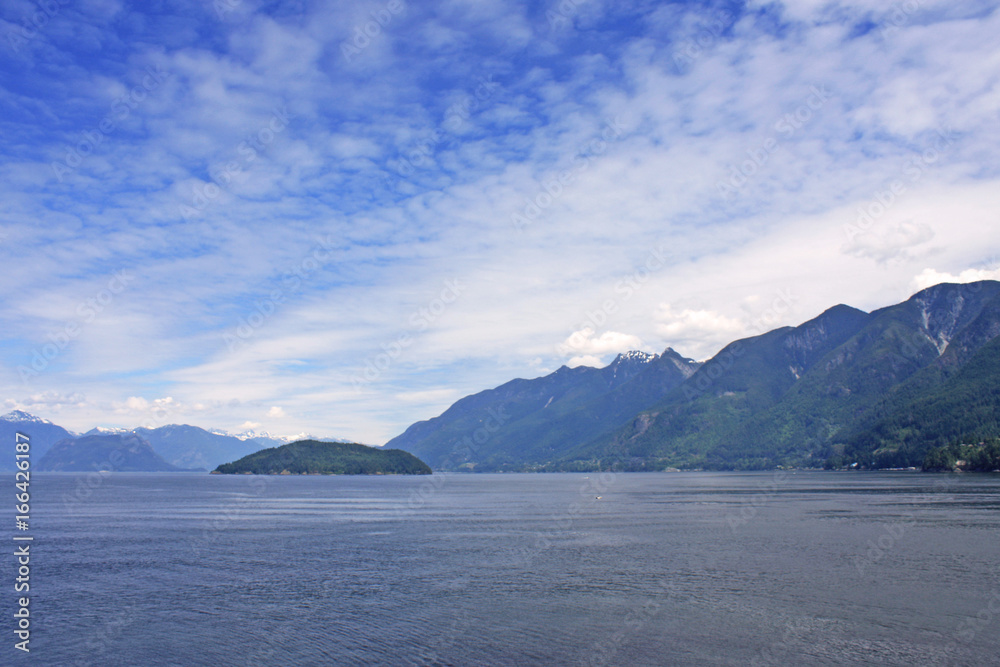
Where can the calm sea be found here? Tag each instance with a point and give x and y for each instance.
(627, 569)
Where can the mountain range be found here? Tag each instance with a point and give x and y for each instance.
(847, 388)
(179, 445)
(119, 452)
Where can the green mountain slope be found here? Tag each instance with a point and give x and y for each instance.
(762, 417)
(698, 423)
(965, 407)
(898, 351)
(526, 423)
(880, 388)
(311, 457)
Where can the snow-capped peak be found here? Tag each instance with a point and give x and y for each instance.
(629, 362)
(266, 435)
(106, 430)
(636, 356)
(249, 435)
(22, 416)
(306, 436)
(243, 435)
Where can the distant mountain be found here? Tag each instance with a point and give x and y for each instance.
(311, 457)
(113, 452)
(42, 432)
(193, 447)
(534, 421)
(180, 445)
(879, 389)
(265, 436)
(104, 430)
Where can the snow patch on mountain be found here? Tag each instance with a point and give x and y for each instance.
(22, 416)
(105, 430)
(266, 435)
(636, 356)
(630, 360)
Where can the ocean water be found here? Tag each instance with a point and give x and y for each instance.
(801, 568)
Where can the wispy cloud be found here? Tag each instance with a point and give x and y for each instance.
(258, 141)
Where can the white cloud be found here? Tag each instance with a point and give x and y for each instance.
(883, 245)
(586, 360)
(276, 412)
(138, 411)
(696, 331)
(442, 396)
(930, 277)
(588, 348)
(396, 238)
(48, 401)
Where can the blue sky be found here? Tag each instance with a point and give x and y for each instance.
(341, 217)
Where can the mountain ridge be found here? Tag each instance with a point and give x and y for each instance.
(181, 445)
(878, 388)
(114, 452)
(794, 396)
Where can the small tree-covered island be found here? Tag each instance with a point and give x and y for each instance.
(311, 457)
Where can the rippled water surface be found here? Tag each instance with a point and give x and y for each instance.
(626, 569)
